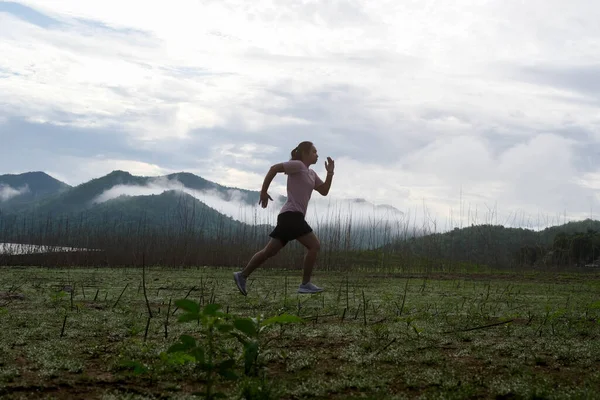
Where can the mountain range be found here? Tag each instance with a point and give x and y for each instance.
(121, 199)
(118, 204)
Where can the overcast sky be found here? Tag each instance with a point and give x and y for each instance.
(419, 102)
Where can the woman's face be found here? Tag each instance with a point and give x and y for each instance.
(312, 156)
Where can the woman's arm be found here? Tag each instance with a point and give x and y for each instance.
(323, 189)
(264, 196)
(329, 167)
(274, 170)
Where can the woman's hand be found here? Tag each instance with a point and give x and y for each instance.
(329, 165)
(264, 199)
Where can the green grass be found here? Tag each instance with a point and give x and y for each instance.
(450, 336)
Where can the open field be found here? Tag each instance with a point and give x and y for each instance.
(86, 333)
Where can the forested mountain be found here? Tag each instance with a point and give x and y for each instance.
(18, 191)
(576, 243)
(35, 207)
(118, 200)
(80, 205)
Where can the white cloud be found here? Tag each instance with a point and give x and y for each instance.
(7, 192)
(432, 56)
(84, 169)
(590, 180)
(418, 102)
(235, 206)
(322, 211)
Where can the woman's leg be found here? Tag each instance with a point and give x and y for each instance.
(312, 244)
(270, 250)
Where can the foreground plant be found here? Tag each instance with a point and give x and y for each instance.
(210, 352)
(249, 332)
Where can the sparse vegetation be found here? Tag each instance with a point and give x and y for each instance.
(393, 335)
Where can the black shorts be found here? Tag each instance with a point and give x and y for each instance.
(290, 226)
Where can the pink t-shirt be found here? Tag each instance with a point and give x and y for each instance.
(301, 182)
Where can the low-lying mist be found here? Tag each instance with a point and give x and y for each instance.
(352, 216)
(8, 192)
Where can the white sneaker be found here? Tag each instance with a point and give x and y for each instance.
(309, 288)
(240, 281)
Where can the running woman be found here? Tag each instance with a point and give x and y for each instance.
(291, 223)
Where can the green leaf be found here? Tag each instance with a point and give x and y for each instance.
(188, 317)
(225, 369)
(177, 358)
(188, 305)
(227, 364)
(198, 354)
(250, 355)
(241, 338)
(138, 368)
(229, 375)
(246, 326)
(178, 347)
(204, 366)
(188, 341)
(225, 328)
(282, 319)
(211, 309)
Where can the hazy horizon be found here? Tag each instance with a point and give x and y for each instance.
(325, 209)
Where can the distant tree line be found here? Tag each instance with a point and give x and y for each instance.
(191, 234)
